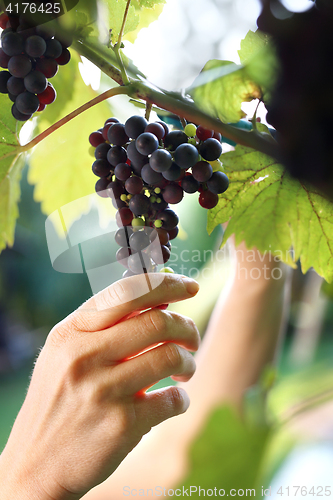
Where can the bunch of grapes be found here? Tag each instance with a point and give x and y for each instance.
(144, 168)
(30, 55)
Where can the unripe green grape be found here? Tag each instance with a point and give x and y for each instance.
(129, 196)
(190, 130)
(91, 151)
(217, 166)
(157, 190)
(138, 222)
(192, 141)
(167, 270)
(153, 199)
(158, 223)
(123, 197)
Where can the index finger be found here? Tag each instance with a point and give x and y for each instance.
(130, 295)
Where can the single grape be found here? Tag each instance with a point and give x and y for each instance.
(165, 126)
(116, 155)
(173, 173)
(135, 126)
(18, 115)
(4, 19)
(101, 151)
(124, 216)
(48, 96)
(64, 58)
(211, 150)
(35, 82)
(12, 97)
(4, 78)
(100, 187)
(202, 171)
(19, 66)
(160, 160)
(140, 263)
(111, 120)
(218, 183)
(173, 194)
(122, 255)
(4, 59)
(49, 67)
(139, 204)
(150, 176)
(27, 103)
(117, 135)
(41, 107)
(12, 44)
(53, 49)
(161, 234)
(122, 236)
(133, 154)
(169, 218)
(35, 46)
(160, 255)
(203, 133)
(190, 184)
(139, 240)
(190, 130)
(115, 189)
(15, 86)
(186, 155)
(146, 143)
(101, 168)
(217, 136)
(173, 233)
(174, 139)
(122, 171)
(208, 200)
(156, 129)
(96, 138)
(134, 185)
(138, 222)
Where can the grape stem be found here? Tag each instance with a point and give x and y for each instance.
(117, 46)
(102, 97)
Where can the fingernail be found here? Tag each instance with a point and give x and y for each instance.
(192, 286)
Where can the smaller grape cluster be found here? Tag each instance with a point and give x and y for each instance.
(30, 55)
(144, 167)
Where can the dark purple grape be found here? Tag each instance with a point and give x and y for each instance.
(4, 59)
(124, 216)
(122, 236)
(139, 204)
(150, 176)
(204, 133)
(218, 183)
(186, 155)
(134, 155)
(161, 234)
(117, 135)
(146, 143)
(35, 82)
(211, 150)
(22, 117)
(169, 218)
(190, 184)
(122, 255)
(137, 169)
(173, 233)
(160, 160)
(96, 138)
(12, 44)
(111, 121)
(4, 78)
(100, 187)
(134, 185)
(156, 129)
(49, 67)
(165, 126)
(101, 151)
(115, 189)
(12, 97)
(173, 194)
(139, 240)
(202, 171)
(15, 85)
(117, 155)
(122, 171)
(208, 200)
(174, 139)
(101, 168)
(35, 46)
(173, 173)
(160, 255)
(27, 103)
(64, 58)
(135, 126)
(140, 263)
(19, 66)
(53, 49)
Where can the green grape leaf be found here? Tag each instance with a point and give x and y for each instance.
(223, 97)
(116, 14)
(60, 165)
(274, 212)
(227, 455)
(139, 4)
(147, 16)
(258, 55)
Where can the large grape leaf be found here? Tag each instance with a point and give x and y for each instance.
(274, 212)
(60, 165)
(116, 10)
(228, 455)
(147, 16)
(223, 97)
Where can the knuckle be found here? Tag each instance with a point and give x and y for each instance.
(119, 293)
(177, 400)
(173, 357)
(156, 321)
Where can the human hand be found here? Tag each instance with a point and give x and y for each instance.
(86, 407)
